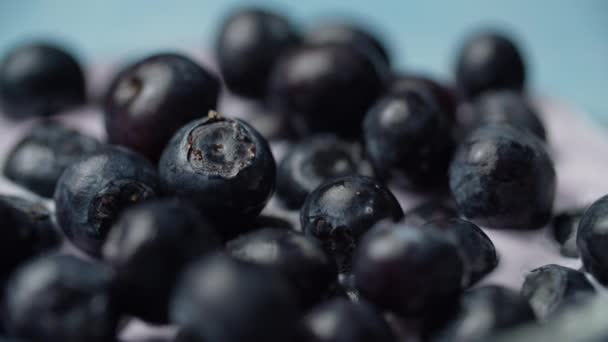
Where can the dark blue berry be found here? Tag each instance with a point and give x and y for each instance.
(432, 210)
(407, 270)
(341, 210)
(152, 238)
(224, 166)
(39, 79)
(60, 298)
(489, 61)
(592, 239)
(249, 43)
(565, 228)
(92, 192)
(503, 177)
(436, 92)
(314, 161)
(41, 156)
(151, 99)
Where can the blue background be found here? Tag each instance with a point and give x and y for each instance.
(565, 42)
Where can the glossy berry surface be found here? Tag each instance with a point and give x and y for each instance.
(92, 192)
(300, 259)
(224, 166)
(495, 168)
(408, 139)
(313, 161)
(325, 88)
(508, 107)
(41, 156)
(151, 99)
(152, 238)
(592, 239)
(350, 34)
(482, 312)
(40, 79)
(407, 270)
(553, 287)
(437, 92)
(27, 231)
(432, 210)
(60, 298)
(248, 45)
(341, 210)
(489, 61)
(565, 227)
(478, 251)
(340, 320)
(220, 299)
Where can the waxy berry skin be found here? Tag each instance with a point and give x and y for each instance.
(592, 240)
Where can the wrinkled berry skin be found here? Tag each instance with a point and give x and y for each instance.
(565, 228)
(592, 240)
(341, 210)
(350, 34)
(39, 79)
(438, 93)
(41, 156)
(508, 107)
(300, 259)
(27, 230)
(432, 210)
(478, 251)
(325, 88)
(60, 298)
(248, 45)
(407, 138)
(494, 170)
(340, 320)
(407, 270)
(151, 99)
(314, 161)
(481, 312)
(220, 299)
(224, 166)
(489, 61)
(92, 192)
(553, 287)
(152, 238)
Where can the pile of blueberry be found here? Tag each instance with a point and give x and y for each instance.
(166, 214)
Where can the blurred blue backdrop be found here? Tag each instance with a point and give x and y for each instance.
(565, 41)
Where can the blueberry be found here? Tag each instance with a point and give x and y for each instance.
(482, 312)
(341, 210)
(350, 34)
(502, 177)
(60, 298)
(152, 238)
(477, 250)
(41, 156)
(325, 88)
(151, 99)
(489, 61)
(340, 320)
(552, 287)
(299, 259)
(408, 138)
(39, 79)
(222, 299)
(314, 161)
(27, 231)
(592, 240)
(438, 93)
(432, 210)
(248, 45)
(407, 270)
(509, 107)
(565, 227)
(224, 166)
(92, 192)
